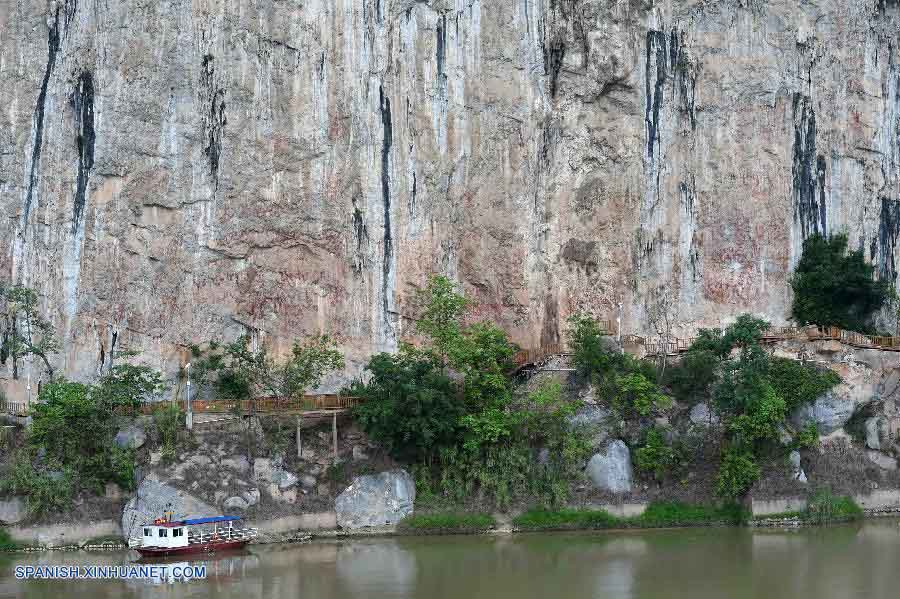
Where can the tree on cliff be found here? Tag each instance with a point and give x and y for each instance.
(442, 310)
(24, 331)
(836, 287)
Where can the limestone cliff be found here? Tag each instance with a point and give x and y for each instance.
(174, 170)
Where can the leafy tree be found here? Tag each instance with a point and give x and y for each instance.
(76, 435)
(410, 407)
(24, 331)
(737, 473)
(308, 363)
(127, 385)
(483, 355)
(442, 311)
(636, 395)
(693, 378)
(799, 383)
(760, 419)
(834, 286)
(589, 354)
(655, 456)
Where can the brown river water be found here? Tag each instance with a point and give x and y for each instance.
(857, 560)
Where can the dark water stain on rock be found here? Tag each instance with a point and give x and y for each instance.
(888, 230)
(82, 102)
(387, 142)
(808, 171)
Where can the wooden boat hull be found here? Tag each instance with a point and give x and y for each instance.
(212, 547)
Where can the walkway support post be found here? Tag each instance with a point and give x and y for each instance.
(189, 418)
(334, 435)
(299, 438)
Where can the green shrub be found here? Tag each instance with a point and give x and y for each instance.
(655, 456)
(737, 473)
(807, 437)
(636, 395)
(566, 519)
(448, 521)
(694, 376)
(6, 541)
(797, 383)
(411, 408)
(824, 507)
(44, 491)
(834, 286)
(674, 513)
(167, 420)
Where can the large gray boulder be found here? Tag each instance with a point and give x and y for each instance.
(829, 412)
(873, 440)
(376, 500)
(701, 415)
(798, 473)
(13, 511)
(590, 415)
(153, 498)
(611, 470)
(132, 436)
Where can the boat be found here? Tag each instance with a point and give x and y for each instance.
(165, 536)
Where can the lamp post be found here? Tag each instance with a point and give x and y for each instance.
(619, 324)
(189, 419)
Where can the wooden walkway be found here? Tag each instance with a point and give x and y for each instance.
(327, 405)
(309, 406)
(676, 346)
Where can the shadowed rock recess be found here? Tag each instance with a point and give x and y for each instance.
(178, 172)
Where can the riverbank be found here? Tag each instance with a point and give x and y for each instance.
(102, 535)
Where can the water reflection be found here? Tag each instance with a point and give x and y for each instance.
(843, 561)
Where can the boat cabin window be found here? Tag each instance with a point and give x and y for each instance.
(163, 532)
(177, 532)
(148, 532)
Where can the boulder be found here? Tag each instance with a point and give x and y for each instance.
(359, 453)
(882, 461)
(873, 440)
(154, 497)
(611, 471)
(828, 412)
(376, 500)
(590, 415)
(701, 415)
(798, 473)
(284, 479)
(308, 481)
(13, 511)
(132, 436)
(238, 463)
(263, 468)
(235, 503)
(251, 496)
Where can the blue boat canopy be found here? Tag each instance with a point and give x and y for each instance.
(211, 519)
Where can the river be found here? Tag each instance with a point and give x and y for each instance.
(858, 560)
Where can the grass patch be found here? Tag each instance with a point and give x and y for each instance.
(674, 513)
(567, 519)
(448, 521)
(657, 515)
(824, 507)
(6, 541)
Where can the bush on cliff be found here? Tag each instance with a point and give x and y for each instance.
(834, 286)
(70, 445)
(410, 408)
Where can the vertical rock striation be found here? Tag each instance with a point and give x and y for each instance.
(286, 168)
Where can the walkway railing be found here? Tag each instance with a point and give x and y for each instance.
(15, 408)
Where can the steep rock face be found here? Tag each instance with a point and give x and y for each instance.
(175, 172)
